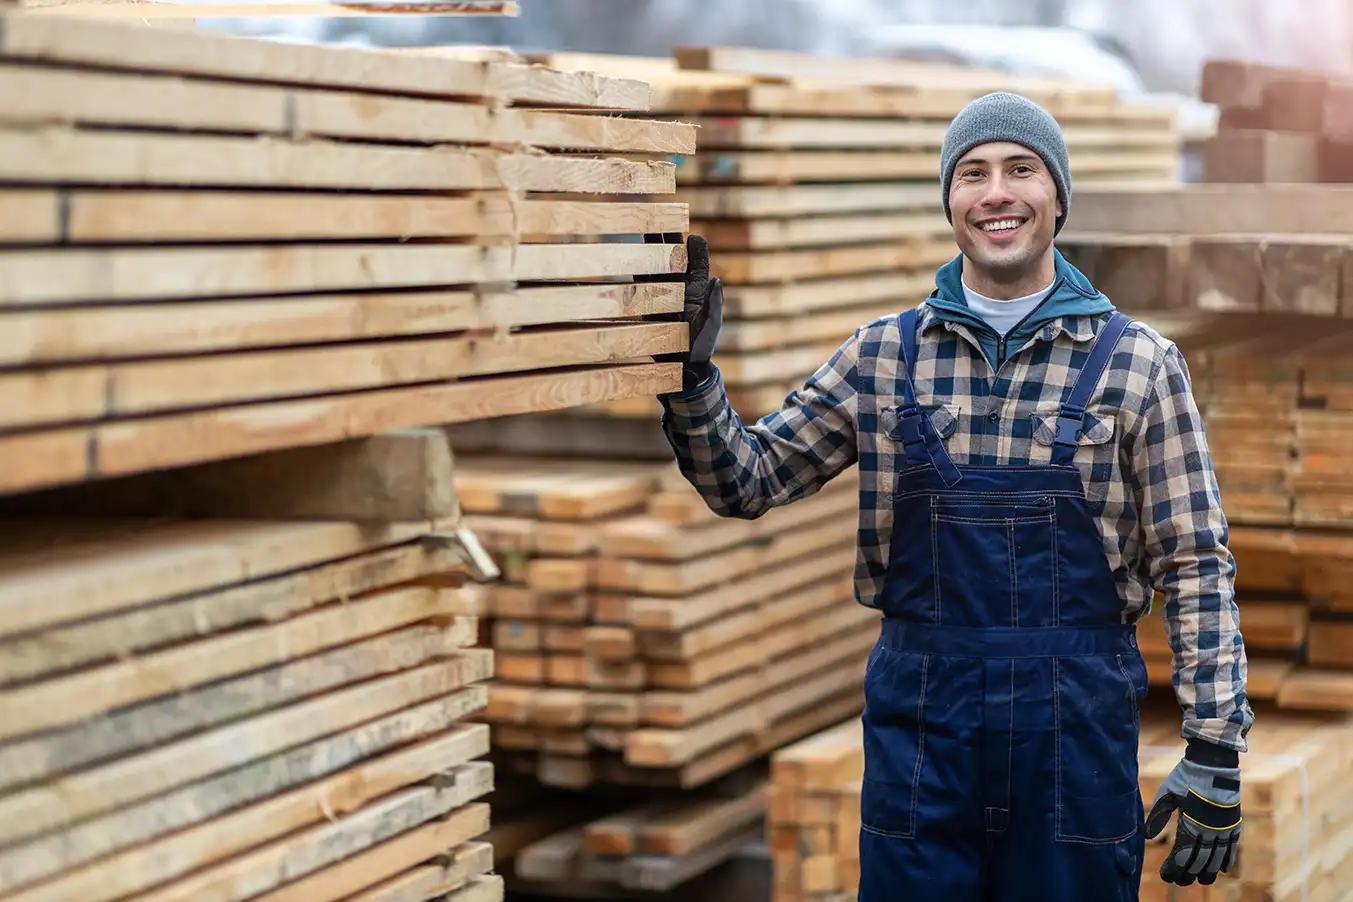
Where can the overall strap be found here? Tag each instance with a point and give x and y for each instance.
(1071, 417)
(917, 431)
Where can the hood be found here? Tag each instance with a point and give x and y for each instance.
(1071, 295)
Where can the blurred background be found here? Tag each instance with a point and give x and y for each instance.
(1145, 47)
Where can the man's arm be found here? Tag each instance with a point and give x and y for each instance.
(744, 471)
(1190, 565)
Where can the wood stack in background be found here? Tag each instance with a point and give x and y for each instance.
(243, 285)
(1249, 281)
(644, 643)
(1278, 124)
(204, 267)
(1298, 797)
(815, 182)
(272, 702)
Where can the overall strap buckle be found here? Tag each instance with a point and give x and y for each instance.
(1071, 416)
(917, 430)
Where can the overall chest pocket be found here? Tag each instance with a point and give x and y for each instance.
(943, 421)
(995, 559)
(1094, 447)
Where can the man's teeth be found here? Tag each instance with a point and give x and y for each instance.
(1002, 225)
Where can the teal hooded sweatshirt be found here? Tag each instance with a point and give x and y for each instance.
(1071, 295)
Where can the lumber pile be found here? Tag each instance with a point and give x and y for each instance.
(640, 640)
(815, 183)
(1298, 784)
(244, 286)
(1278, 124)
(195, 266)
(628, 845)
(1278, 430)
(253, 679)
(1298, 801)
(1221, 262)
(178, 11)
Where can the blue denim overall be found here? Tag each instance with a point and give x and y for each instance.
(1002, 698)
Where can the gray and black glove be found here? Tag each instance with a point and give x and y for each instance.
(703, 312)
(1207, 837)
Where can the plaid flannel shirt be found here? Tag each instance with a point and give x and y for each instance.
(1143, 456)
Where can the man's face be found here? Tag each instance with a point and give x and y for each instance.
(1004, 206)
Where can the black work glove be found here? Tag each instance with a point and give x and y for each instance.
(702, 312)
(1207, 836)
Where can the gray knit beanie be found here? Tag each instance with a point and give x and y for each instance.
(1007, 117)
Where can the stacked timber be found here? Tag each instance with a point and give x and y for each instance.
(1297, 844)
(815, 182)
(1278, 124)
(655, 653)
(196, 265)
(243, 286)
(258, 684)
(631, 845)
(1249, 281)
(640, 639)
(1278, 429)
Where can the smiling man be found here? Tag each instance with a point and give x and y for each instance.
(1033, 469)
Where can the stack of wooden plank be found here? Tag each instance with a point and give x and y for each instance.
(1298, 786)
(216, 246)
(630, 846)
(1278, 428)
(1297, 781)
(1278, 124)
(641, 640)
(243, 286)
(815, 184)
(1256, 255)
(248, 680)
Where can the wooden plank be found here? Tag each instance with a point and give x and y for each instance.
(75, 216)
(102, 567)
(1201, 209)
(762, 234)
(113, 391)
(47, 459)
(805, 200)
(155, 10)
(135, 274)
(158, 721)
(465, 865)
(77, 868)
(51, 336)
(792, 265)
(68, 699)
(396, 477)
(877, 72)
(80, 42)
(36, 96)
(64, 156)
(782, 133)
(117, 784)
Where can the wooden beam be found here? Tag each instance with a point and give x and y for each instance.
(166, 9)
(76, 41)
(117, 390)
(78, 216)
(85, 334)
(1201, 209)
(47, 459)
(65, 156)
(73, 276)
(35, 96)
(394, 477)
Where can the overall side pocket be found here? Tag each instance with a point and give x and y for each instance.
(1096, 724)
(894, 743)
